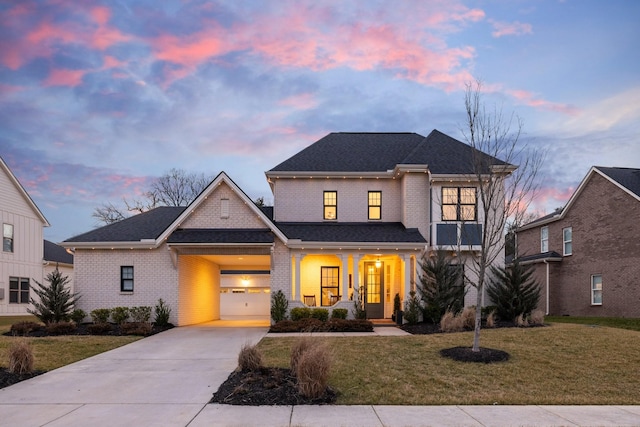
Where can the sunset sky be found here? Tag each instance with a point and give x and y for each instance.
(97, 98)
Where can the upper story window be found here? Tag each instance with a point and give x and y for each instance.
(596, 289)
(330, 205)
(18, 290)
(126, 278)
(375, 204)
(7, 237)
(544, 239)
(567, 240)
(459, 204)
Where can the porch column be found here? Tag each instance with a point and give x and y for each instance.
(345, 277)
(298, 259)
(356, 279)
(407, 275)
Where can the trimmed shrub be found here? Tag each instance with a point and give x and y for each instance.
(451, 323)
(300, 346)
(136, 328)
(412, 309)
(163, 313)
(514, 291)
(78, 315)
(321, 314)
(339, 313)
(349, 325)
(100, 315)
(61, 328)
(249, 358)
(359, 311)
(24, 328)
(140, 314)
(120, 314)
(55, 301)
(99, 328)
(312, 370)
(397, 303)
(20, 358)
(279, 306)
(298, 313)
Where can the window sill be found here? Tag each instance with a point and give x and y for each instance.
(596, 305)
(126, 292)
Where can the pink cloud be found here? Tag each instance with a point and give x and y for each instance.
(528, 98)
(105, 36)
(64, 77)
(111, 62)
(510, 28)
(302, 102)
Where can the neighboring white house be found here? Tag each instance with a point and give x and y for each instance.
(21, 258)
(353, 211)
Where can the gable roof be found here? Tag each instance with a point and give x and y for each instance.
(627, 179)
(151, 228)
(23, 192)
(382, 152)
(56, 253)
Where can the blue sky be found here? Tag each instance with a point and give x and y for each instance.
(99, 98)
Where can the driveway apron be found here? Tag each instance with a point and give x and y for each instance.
(165, 379)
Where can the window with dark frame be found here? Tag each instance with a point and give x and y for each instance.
(329, 284)
(18, 290)
(459, 204)
(375, 204)
(7, 237)
(126, 278)
(330, 202)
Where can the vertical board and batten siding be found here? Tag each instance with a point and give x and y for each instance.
(97, 278)
(301, 199)
(27, 255)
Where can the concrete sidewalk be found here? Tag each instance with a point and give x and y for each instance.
(167, 380)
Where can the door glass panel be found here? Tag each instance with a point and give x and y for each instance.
(373, 284)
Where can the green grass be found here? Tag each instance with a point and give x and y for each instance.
(54, 352)
(612, 322)
(561, 364)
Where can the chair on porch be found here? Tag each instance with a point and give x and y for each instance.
(310, 300)
(333, 299)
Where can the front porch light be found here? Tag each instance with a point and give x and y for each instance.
(378, 263)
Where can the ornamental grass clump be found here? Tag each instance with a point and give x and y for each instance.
(250, 358)
(20, 358)
(312, 370)
(451, 323)
(468, 318)
(299, 347)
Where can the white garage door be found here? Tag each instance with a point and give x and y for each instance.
(248, 303)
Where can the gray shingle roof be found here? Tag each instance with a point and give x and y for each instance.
(351, 232)
(55, 253)
(147, 225)
(221, 235)
(626, 177)
(380, 152)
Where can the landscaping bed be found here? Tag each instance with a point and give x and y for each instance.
(33, 329)
(316, 325)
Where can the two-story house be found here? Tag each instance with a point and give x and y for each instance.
(353, 214)
(586, 256)
(21, 257)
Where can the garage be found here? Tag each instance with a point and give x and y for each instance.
(245, 294)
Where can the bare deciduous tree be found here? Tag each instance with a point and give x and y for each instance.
(505, 190)
(174, 188)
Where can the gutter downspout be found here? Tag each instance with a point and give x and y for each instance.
(547, 303)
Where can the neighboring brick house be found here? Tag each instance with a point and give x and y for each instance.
(353, 211)
(21, 257)
(55, 256)
(587, 255)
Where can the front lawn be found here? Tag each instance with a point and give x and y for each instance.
(613, 322)
(54, 352)
(562, 364)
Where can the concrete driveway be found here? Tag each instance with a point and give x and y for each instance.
(163, 380)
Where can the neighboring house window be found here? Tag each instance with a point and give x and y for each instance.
(329, 284)
(18, 290)
(459, 204)
(544, 239)
(567, 239)
(7, 237)
(330, 205)
(596, 290)
(375, 204)
(126, 279)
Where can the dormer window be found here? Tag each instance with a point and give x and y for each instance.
(375, 204)
(330, 205)
(459, 204)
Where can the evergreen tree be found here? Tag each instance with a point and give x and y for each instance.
(55, 301)
(441, 286)
(513, 290)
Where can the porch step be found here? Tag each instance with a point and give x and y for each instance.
(382, 322)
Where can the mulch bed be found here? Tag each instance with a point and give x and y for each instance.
(466, 354)
(267, 386)
(7, 378)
